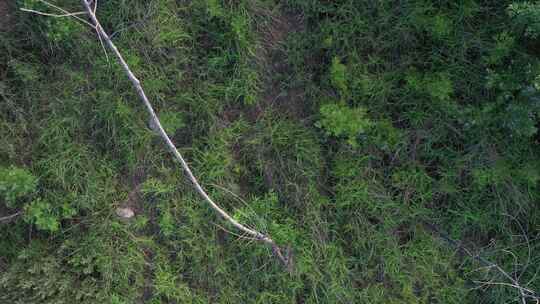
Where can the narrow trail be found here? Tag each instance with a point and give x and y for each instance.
(271, 59)
(6, 16)
(273, 28)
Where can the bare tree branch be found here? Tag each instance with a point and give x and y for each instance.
(51, 15)
(524, 293)
(63, 11)
(137, 84)
(9, 217)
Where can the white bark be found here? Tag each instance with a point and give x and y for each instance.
(161, 132)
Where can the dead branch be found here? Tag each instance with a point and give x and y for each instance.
(161, 132)
(8, 218)
(63, 11)
(524, 293)
(51, 15)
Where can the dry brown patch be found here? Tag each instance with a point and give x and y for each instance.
(271, 57)
(6, 16)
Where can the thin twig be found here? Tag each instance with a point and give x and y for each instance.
(65, 12)
(244, 237)
(529, 249)
(523, 292)
(231, 193)
(52, 15)
(149, 108)
(530, 292)
(236, 196)
(9, 217)
(74, 15)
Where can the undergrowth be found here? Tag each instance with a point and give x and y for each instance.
(411, 115)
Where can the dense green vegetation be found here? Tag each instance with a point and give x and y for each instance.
(362, 134)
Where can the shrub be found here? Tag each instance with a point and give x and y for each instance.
(42, 215)
(16, 184)
(342, 121)
(526, 15)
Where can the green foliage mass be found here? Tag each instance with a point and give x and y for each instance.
(15, 184)
(347, 130)
(340, 120)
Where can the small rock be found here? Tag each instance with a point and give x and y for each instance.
(125, 212)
